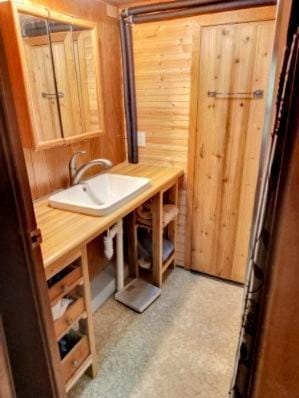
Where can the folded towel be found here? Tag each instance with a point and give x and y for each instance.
(145, 216)
(169, 213)
(145, 212)
(59, 308)
(144, 264)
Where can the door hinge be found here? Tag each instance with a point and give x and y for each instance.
(36, 238)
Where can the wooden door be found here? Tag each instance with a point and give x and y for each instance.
(234, 58)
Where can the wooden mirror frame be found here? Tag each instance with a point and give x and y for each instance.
(17, 68)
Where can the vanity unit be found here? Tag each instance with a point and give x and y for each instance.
(65, 239)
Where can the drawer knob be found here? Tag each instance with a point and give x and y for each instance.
(75, 363)
(69, 321)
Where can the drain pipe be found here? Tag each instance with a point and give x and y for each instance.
(116, 230)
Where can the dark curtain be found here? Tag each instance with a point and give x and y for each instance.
(256, 285)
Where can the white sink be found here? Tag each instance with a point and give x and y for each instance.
(99, 195)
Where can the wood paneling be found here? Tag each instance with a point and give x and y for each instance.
(165, 55)
(163, 60)
(279, 340)
(48, 169)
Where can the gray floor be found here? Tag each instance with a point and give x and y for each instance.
(182, 346)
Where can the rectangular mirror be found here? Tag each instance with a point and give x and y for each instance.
(66, 78)
(87, 70)
(62, 78)
(39, 68)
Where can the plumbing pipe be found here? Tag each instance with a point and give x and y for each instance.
(120, 258)
(116, 230)
(129, 89)
(177, 5)
(123, 39)
(200, 10)
(132, 92)
(149, 8)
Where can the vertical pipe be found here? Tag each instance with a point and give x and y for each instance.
(171, 5)
(132, 91)
(119, 257)
(126, 88)
(200, 10)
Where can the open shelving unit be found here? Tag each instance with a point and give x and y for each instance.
(71, 279)
(158, 271)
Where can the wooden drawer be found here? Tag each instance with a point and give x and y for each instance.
(72, 314)
(75, 358)
(62, 287)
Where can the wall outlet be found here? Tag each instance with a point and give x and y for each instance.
(141, 138)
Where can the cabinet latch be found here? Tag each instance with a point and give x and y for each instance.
(36, 238)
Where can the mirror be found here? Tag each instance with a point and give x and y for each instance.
(86, 69)
(63, 78)
(39, 67)
(66, 78)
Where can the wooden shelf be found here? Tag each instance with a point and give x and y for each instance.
(167, 263)
(169, 195)
(150, 227)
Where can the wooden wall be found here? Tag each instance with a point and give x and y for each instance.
(163, 66)
(48, 169)
(278, 370)
(163, 60)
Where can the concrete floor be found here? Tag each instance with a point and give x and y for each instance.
(182, 346)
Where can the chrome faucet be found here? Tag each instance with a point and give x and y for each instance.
(77, 173)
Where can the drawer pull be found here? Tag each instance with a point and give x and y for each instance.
(69, 321)
(75, 363)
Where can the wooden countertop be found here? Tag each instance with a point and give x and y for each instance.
(63, 231)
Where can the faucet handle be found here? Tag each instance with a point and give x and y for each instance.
(73, 163)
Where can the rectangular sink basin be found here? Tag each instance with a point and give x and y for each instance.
(100, 195)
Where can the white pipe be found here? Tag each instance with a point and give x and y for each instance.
(116, 230)
(119, 257)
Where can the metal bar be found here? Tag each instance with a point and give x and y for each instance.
(126, 84)
(171, 5)
(257, 94)
(199, 10)
(175, 5)
(132, 90)
(52, 95)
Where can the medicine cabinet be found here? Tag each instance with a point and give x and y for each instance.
(59, 64)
